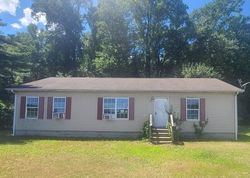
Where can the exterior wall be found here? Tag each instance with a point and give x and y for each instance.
(219, 111)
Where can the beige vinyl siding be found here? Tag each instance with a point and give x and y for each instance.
(219, 111)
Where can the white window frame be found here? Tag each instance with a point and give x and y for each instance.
(116, 98)
(194, 120)
(26, 107)
(54, 104)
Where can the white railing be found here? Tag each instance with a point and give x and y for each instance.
(150, 124)
(172, 120)
(150, 120)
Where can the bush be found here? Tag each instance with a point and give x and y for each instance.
(176, 130)
(198, 128)
(5, 116)
(145, 130)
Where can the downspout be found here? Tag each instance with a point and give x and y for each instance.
(14, 115)
(236, 115)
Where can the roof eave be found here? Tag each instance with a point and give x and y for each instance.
(93, 90)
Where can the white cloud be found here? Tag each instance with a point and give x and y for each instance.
(9, 6)
(16, 25)
(42, 18)
(28, 19)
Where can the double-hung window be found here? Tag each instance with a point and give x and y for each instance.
(193, 109)
(116, 108)
(32, 104)
(59, 105)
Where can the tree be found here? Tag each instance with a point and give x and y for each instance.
(39, 54)
(199, 70)
(163, 30)
(13, 66)
(219, 40)
(65, 27)
(110, 38)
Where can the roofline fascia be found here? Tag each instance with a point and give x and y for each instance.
(80, 90)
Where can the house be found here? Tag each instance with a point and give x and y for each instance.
(118, 107)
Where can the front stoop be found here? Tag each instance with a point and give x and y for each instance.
(160, 136)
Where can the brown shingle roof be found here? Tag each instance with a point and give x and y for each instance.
(128, 84)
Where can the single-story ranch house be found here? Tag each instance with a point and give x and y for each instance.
(118, 107)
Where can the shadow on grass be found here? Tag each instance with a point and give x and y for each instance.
(7, 138)
(244, 138)
(241, 138)
(244, 133)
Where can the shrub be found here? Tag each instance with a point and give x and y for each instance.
(5, 116)
(145, 130)
(198, 128)
(176, 130)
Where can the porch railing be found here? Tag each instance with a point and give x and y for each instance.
(172, 127)
(150, 126)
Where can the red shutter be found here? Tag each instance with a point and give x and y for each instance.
(49, 107)
(99, 108)
(41, 108)
(131, 108)
(22, 107)
(68, 107)
(202, 109)
(183, 109)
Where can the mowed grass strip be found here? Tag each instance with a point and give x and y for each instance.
(49, 157)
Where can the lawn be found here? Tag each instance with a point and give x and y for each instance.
(43, 157)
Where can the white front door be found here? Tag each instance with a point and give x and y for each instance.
(160, 113)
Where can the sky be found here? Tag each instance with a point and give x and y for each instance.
(17, 14)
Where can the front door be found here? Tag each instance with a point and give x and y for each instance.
(160, 113)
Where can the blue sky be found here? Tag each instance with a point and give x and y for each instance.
(17, 13)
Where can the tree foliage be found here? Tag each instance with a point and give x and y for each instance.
(112, 35)
(199, 70)
(162, 29)
(65, 30)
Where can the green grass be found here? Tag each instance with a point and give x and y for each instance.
(44, 157)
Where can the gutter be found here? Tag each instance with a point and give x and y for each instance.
(236, 113)
(14, 115)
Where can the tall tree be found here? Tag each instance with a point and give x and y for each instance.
(65, 27)
(111, 35)
(12, 65)
(163, 31)
(220, 41)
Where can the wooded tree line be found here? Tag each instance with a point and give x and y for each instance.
(132, 38)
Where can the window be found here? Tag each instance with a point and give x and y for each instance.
(32, 107)
(193, 109)
(116, 108)
(59, 105)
